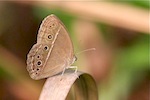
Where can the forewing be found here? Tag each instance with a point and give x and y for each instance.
(62, 54)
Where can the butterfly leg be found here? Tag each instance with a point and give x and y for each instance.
(76, 69)
(63, 72)
(73, 67)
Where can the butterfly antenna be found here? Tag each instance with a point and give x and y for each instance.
(91, 49)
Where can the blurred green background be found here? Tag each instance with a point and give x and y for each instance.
(119, 30)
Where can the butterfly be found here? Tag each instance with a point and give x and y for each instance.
(53, 51)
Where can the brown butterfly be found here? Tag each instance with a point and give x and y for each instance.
(53, 51)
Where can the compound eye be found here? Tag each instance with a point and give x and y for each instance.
(75, 57)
